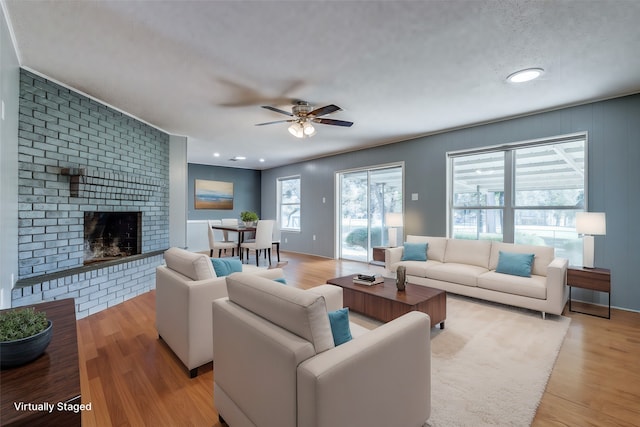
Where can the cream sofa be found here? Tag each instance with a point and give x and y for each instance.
(276, 364)
(467, 267)
(185, 287)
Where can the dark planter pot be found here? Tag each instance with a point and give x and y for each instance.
(25, 350)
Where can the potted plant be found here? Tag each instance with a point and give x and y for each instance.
(249, 218)
(24, 335)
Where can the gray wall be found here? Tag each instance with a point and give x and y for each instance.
(614, 178)
(246, 191)
(9, 89)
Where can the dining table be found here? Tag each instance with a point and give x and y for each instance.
(241, 229)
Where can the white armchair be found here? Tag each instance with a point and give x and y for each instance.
(276, 363)
(185, 288)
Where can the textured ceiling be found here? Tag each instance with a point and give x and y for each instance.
(399, 69)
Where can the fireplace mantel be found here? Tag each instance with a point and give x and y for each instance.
(97, 184)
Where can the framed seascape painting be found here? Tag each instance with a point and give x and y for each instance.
(213, 194)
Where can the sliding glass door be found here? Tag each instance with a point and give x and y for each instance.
(365, 198)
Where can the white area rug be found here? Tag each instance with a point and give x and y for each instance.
(491, 363)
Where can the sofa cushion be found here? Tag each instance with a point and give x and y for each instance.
(339, 320)
(299, 312)
(226, 266)
(472, 252)
(462, 274)
(532, 287)
(193, 265)
(414, 251)
(436, 246)
(515, 264)
(416, 268)
(544, 255)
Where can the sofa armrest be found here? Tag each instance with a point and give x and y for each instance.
(332, 295)
(392, 255)
(381, 378)
(557, 290)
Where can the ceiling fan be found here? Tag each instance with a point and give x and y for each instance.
(303, 116)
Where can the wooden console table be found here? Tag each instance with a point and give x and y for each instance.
(53, 378)
(595, 279)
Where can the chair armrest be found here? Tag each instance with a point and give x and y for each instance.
(557, 290)
(382, 378)
(271, 273)
(183, 314)
(392, 255)
(332, 296)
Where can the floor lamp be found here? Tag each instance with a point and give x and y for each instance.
(590, 224)
(393, 220)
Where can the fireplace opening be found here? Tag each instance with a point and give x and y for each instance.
(111, 235)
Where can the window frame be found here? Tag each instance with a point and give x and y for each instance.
(279, 182)
(510, 208)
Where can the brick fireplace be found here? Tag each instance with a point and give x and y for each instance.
(110, 236)
(79, 162)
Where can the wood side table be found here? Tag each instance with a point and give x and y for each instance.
(53, 378)
(595, 279)
(378, 255)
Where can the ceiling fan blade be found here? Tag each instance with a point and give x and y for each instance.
(277, 121)
(277, 110)
(327, 109)
(333, 122)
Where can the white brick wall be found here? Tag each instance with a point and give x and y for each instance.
(126, 168)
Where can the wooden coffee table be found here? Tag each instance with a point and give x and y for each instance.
(384, 302)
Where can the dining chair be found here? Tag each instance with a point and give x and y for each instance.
(218, 243)
(276, 237)
(230, 236)
(263, 241)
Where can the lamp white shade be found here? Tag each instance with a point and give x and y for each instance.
(590, 224)
(393, 220)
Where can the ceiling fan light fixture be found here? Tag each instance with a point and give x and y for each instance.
(308, 129)
(296, 130)
(525, 75)
(303, 116)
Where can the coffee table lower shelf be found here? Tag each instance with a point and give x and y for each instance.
(384, 302)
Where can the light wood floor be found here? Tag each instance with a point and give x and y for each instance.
(132, 379)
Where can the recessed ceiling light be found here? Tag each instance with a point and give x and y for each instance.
(216, 154)
(525, 75)
(239, 158)
(261, 160)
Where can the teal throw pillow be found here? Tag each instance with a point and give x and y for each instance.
(414, 252)
(515, 264)
(339, 320)
(281, 280)
(226, 266)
